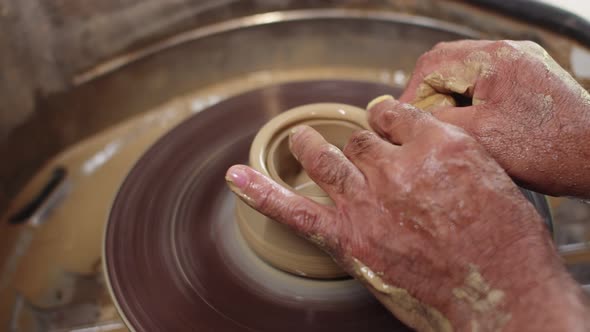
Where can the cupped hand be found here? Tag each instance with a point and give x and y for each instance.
(433, 226)
(526, 110)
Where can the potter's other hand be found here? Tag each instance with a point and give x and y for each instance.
(433, 227)
(527, 111)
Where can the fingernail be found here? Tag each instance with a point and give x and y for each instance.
(378, 100)
(295, 130)
(237, 178)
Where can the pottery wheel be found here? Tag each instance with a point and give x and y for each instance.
(175, 258)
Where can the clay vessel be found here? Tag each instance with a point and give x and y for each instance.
(270, 155)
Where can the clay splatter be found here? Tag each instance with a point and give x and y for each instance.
(484, 301)
(407, 308)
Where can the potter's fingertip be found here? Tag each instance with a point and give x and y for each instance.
(295, 130)
(237, 177)
(379, 99)
(293, 133)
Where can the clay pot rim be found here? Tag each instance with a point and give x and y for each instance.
(279, 127)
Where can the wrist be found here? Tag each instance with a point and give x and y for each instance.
(522, 287)
(512, 257)
(558, 304)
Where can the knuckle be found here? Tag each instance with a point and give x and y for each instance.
(526, 46)
(359, 142)
(504, 48)
(303, 218)
(440, 45)
(459, 136)
(324, 157)
(266, 201)
(409, 115)
(386, 115)
(504, 43)
(406, 119)
(448, 133)
(439, 51)
(427, 57)
(454, 139)
(533, 46)
(328, 168)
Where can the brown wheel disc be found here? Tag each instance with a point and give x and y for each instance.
(175, 259)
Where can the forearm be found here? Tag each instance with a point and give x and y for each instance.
(556, 305)
(523, 286)
(539, 295)
(510, 279)
(523, 298)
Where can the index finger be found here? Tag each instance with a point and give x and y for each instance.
(306, 217)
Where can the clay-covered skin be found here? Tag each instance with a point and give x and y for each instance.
(528, 112)
(452, 240)
(426, 217)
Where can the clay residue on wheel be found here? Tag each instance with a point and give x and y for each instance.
(270, 154)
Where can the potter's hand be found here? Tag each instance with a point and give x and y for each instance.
(434, 227)
(528, 112)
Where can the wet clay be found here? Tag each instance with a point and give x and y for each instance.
(283, 167)
(407, 308)
(484, 301)
(432, 101)
(270, 155)
(456, 77)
